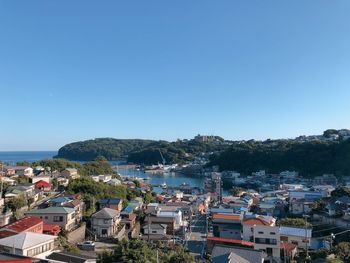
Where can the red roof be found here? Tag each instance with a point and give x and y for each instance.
(233, 241)
(42, 183)
(52, 229)
(227, 216)
(256, 221)
(24, 224)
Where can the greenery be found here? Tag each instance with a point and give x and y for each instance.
(341, 191)
(110, 148)
(16, 203)
(309, 158)
(138, 151)
(235, 191)
(297, 222)
(343, 251)
(136, 250)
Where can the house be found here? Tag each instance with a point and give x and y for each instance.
(300, 207)
(155, 229)
(36, 179)
(249, 223)
(112, 203)
(326, 179)
(5, 216)
(51, 229)
(43, 185)
(114, 182)
(78, 206)
(71, 258)
(128, 217)
(62, 216)
(23, 170)
(104, 223)
(60, 201)
(177, 215)
(168, 221)
(26, 224)
(229, 254)
(266, 238)
(296, 235)
(70, 173)
(227, 225)
(28, 244)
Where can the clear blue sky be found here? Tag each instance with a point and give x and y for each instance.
(74, 70)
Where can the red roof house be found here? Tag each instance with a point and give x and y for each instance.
(43, 185)
(52, 229)
(26, 224)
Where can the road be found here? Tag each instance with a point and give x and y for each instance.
(196, 239)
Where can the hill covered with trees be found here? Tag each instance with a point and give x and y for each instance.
(138, 151)
(309, 158)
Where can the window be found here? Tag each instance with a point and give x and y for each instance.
(104, 232)
(58, 218)
(272, 233)
(260, 232)
(46, 217)
(154, 232)
(106, 221)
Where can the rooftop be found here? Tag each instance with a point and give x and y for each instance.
(25, 240)
(106, 213)
(24, 224)
(52, 210)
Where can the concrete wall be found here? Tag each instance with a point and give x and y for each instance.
(77, 235)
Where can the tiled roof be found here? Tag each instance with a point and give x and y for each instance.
(222, 254)
(106, 213)
(42, 183)
(233, 241)
(23, 224)
(227, 216)
(256, 221)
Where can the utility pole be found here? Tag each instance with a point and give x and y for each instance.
(331, 243)
(306, 238)
(149, 227)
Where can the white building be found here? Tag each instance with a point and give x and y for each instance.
(105, 222)
(267, 239)
(29, 244)
(296, 235)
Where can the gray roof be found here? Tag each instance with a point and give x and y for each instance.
(156, 226)
(70, 257)
(26, 240)
(106, 213)
(52, 210)
(222, 254)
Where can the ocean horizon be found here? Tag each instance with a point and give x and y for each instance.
(12, 157)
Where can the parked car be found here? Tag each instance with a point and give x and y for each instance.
(87, 245)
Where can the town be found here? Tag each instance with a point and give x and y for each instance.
(59, 215)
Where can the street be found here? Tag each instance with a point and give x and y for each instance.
(196, 239)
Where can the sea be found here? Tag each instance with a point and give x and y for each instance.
(12, 158)
(172, 179)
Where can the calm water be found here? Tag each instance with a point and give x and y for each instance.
(171, 179)
(29, 156)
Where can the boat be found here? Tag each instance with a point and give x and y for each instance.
(147, 178)
(164, 185)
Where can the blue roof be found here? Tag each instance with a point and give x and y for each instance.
(61, 199)
(128, 209)
(110, 201)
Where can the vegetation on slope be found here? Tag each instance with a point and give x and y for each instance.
(309, 158)
(109, 148)
(138, 151)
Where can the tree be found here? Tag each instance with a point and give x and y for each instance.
(343, 251)
(341, 191)
(140, 251)
(17, 203)
(236, 191)
(298, 222)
